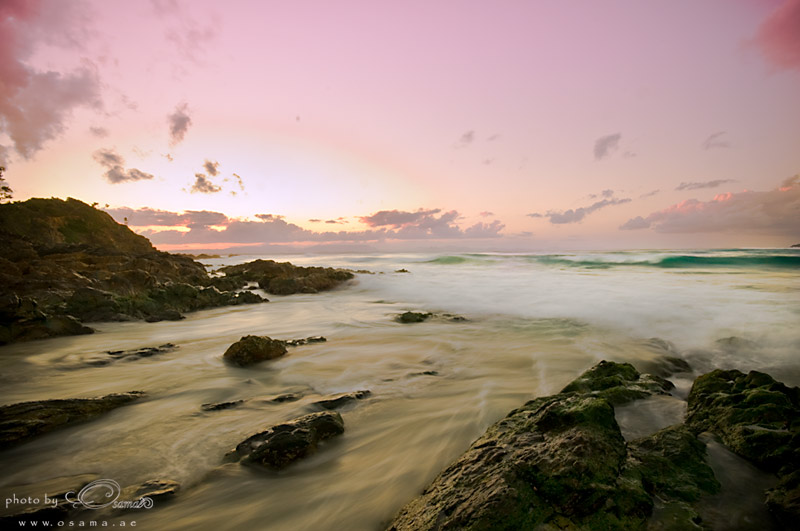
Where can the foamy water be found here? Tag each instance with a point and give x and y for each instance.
(534, 323)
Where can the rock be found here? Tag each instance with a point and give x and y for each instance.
(133, 354)
(254, 349)
(342, 400)
(64, 260)
(412, 317)
(304, 341)
(157, 490)
(288, 397)
(23, 421)
(755, 416)
(221, 405)
(284, 278)
(759, 419)
(281, 445)
(618, 383)
(401, 271)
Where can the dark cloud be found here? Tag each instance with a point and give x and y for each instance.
(606, 145)
(716, 141)
(179, 122)
(99, 132)
(35, 105)
(778, 37)
(775, 212)
(315, 221)
(114, 164)
(212, 168)
(704, 184)
(577, 215)
(203, 185)
(269, 217)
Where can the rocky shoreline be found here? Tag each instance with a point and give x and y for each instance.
(65, 263)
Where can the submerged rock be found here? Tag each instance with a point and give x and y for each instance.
(253, 349)
(412, 317)
(342, 400)
(23, 421)
(133, 354)
(304, 341)
(218, 406)
(281, 445)
(287, 397)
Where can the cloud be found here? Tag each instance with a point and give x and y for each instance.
(486, 214)
(635, 223)
(774, 212)
(170, 228)
(704, 184)
(239, 180)
(649, 194)
(577, 215)
(396, 218)
(34, 105)
(203, 185)
(179, 122)
(778, 37)
(466, 139)
(606, 145)
(212, 168)
(115, 167)
(492, 138)
(99, 132)
(716, 141)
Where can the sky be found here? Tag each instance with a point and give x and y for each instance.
(384, 125)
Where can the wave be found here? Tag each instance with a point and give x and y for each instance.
(612, 260)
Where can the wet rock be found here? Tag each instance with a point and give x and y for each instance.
(342, 400)
(560, 462)
(166, 315)
(758, 418)
(288, 397)
(284, 278)
(304, 341)
(412, 317)
(23, 421)
(132, 354)
(254, 349)
(618, 383)
(424, 373)
(401, 271)
(158, 490)
(64, 260)
(219, 406)
(281, 445)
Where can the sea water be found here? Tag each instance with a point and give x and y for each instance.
(532, 323)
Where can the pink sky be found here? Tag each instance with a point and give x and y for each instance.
(510, 125)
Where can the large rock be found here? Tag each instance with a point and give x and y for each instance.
(281, 445)
(759, 419)
(23, 421)
(560, 462)
(284, 278)
(254, 349)
(65, 260)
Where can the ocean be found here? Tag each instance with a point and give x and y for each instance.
(531, 323)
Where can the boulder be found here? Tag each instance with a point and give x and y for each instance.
(254, 349)
(282, 444)
(23, 421)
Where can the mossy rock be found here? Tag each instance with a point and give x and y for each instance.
(619, 383)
